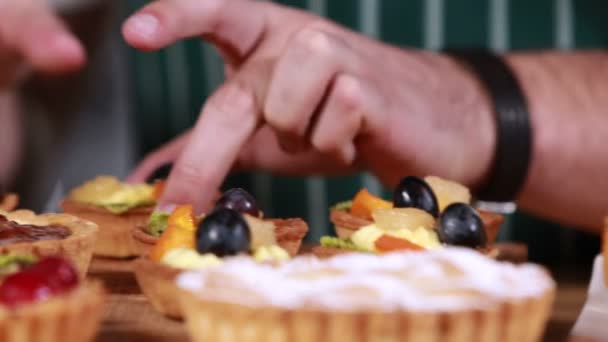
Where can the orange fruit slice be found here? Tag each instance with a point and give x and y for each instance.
(365, 203)
(179, 233)
(387, 243)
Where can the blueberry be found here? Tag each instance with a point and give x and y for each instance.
(460, 225)
(239, 200)
(415, 192)
(223, 232)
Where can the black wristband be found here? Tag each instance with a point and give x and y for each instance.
(513, 129)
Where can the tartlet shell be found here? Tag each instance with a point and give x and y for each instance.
(72, 317)
(76, 248)
(289, 234)
(512, 321)
(346, 223)
(115, 238)
(157, 281)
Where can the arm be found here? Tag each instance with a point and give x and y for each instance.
(568, 101)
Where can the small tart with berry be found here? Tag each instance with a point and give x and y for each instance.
(44, 300)
(187, 242)
(60, 235)
(9, 201)
(424, 214)
(116, 208)
(288, 233)
(449, 294)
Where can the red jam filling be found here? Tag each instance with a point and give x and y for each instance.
(49, 277)
(12, 232)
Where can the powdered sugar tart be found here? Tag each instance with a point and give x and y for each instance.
(451, 294)
(74, 239)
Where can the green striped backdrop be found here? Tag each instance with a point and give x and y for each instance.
(171, 85)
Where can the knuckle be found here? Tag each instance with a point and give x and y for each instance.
(312, 39)
(234, 103)
(216, 13)
(191, 174)
(348, 94)
(283, 123)
(325, 142)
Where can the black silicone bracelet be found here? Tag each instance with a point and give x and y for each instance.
(513, 129)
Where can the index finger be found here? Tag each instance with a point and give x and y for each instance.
(226, 122)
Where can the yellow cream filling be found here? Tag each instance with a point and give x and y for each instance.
(366, 237)
(110, 193)
(188, 258)
(270, 253)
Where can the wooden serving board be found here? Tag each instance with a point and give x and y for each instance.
(129, 317)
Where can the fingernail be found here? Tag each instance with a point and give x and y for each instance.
(349, 153)
(66, 43)
(165, 208)
(143, 25)
(71, 53)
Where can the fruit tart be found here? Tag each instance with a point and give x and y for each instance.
(234, 227)
(116, 208)
(287, 232)
(424, 214)
(61, 235)
(44, 300)
(450, 294)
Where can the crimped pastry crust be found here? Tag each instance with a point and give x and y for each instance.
(289, 233)
(72, 317)
(115, 230)
(143, 240)
(510, 318)
(346, 223)
(77, 248)
(157, 281)
(521, 321)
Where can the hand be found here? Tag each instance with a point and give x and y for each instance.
(32, 37)
(303, 95)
